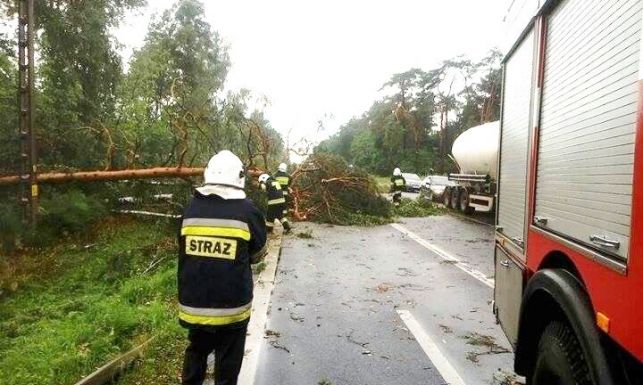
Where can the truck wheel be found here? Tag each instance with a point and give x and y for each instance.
(464, 203)
(446, 197)
(455, 198)
(560, 359)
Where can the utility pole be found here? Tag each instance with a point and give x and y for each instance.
(28, 154)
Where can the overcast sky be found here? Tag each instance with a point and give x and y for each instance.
(329, 58)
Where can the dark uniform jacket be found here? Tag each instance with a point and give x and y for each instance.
(284, 180)
(398, 183)
(219, 239)
(275, 193)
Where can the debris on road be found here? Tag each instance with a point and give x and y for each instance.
(501, 377)
(383, 288)
(296, 317)
(327, 190)
(308, 234)
(273, 339)
(349, 338)
(446, 329)
(476, 339)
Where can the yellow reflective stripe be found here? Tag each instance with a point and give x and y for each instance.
(216, 232)
(277, 201)
(283, 180)
(214, 320)
(276, 185)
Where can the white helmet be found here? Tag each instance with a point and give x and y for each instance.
(283, 167)
(225, 168)
(263, 178)
(397, 171)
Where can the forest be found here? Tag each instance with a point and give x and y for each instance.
(423, 112)
(166, 105)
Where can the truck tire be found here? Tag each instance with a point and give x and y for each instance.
(464, 203)
(446, 197)
(560, 359)
(455, 198)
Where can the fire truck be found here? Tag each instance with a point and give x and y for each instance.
(569, 219)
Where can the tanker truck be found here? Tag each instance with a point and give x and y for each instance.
(475, 152)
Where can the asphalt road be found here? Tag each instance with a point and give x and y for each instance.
(339, 298)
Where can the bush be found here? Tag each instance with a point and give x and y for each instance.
(70, 211)
(10, 227)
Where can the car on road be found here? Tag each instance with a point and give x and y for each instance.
(433, 186)
(413, 182)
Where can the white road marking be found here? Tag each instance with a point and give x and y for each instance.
(448, 373)
(446, 256)
(260, 304)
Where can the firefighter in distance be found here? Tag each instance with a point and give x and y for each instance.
(398, 184)
(283, 178)
(276, 203)
(222, 233)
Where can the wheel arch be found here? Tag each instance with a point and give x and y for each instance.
(559, 260)
(556, 293)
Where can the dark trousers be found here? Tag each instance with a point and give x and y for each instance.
(277, 211)
(228, 346)
(397, 197)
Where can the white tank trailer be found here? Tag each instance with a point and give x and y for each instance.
(476, 154)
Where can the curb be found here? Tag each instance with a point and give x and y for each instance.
(260, 308)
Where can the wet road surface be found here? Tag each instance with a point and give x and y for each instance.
(335, 316)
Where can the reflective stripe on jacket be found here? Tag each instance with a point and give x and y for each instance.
(275, 193)
(398, 183)
(284, 180)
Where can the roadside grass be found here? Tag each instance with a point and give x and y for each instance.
(258, 268)
(74, 308)
(417, 208)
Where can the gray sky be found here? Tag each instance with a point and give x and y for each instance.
(317, 59)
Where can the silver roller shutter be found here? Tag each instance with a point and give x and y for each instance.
(514, 145)
(588, 121)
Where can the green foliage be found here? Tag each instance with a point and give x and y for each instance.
(71, 210)
(413, 128)
(9, 139)
(337, 194)
(82, 311)
(10, 227)
(416, 208)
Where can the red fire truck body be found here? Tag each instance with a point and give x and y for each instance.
(569, 224)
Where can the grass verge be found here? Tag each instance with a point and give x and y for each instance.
(78, 305)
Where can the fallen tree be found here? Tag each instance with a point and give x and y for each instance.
(95, 176)
(114, 175)
(326, 189)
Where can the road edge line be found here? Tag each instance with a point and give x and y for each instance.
(445, 255)
(260, 305)
(431, 349)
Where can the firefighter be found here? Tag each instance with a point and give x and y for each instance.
(398, 183)
(284, 178)
(222, 233)
(276, 203)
